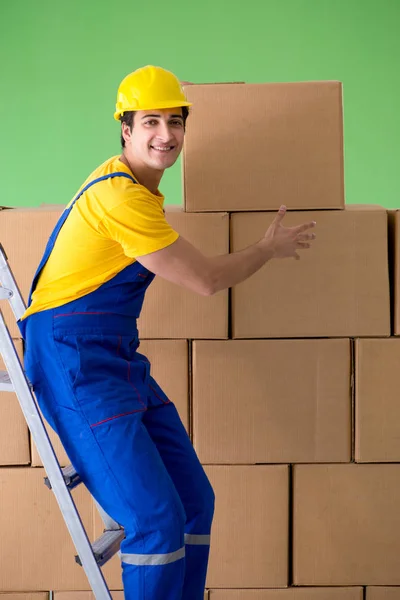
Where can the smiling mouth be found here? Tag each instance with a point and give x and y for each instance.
(162, 148)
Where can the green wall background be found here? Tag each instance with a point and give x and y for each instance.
(62, 62)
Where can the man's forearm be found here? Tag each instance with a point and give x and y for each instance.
(230, 269)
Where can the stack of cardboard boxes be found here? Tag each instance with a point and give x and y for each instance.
(287, 383)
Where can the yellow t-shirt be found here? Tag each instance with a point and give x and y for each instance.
(113, 222)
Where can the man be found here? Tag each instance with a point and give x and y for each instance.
(121, 432)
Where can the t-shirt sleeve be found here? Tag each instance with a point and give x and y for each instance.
(139, 225)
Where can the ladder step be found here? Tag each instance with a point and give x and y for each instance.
(106, 546)
(71, 478)
(5, 382)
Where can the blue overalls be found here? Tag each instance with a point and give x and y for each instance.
(122, 434)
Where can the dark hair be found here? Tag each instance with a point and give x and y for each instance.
(128, 118)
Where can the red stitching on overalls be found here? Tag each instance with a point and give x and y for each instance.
(131, 412)
(81, 313)
(116, 417)
(159, 397)
(141, 275)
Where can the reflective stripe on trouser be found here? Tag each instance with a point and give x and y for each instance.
(126, 440)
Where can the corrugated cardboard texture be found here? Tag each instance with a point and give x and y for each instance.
(37, 552)
(256, 146)
(354, 593)
(249, 538)
(170, 311)
(14, 434)
(339, 288)
(272, 401)
(24, 233)
(383, 593)
(346, 525)
(169, 366)
(377, 407)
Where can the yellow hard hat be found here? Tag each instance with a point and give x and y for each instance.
(149, 88)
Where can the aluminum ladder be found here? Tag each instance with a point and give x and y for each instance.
(60, 480)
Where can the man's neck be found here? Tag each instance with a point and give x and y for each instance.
(149, 178)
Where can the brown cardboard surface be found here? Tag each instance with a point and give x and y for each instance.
(37, 552)
(339, 288)
(272, 401)
(377, 408)
(249, 537)
(119, 595)
(383, 593)
(170, 311)
(24, 233)
(14, 433)
(24, 596)
(256, 146)
(352, 593)
(346, 524)
(169, 366)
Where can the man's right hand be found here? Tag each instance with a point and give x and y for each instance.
(284, 242)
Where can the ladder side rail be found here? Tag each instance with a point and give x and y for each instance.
(50, 462)
(7, 280)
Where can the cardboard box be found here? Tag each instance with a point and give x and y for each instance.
(339, 288)
(24, 233)
(169, 366)
(383, 593)
(394, 265)
(377, 408)
(14, 433)
(37, 552)
(25, 596)
(249, 538)
(353, 593)
(257, 146)
(171, 311)
(119, 595)
(272, 401)
(346, 525)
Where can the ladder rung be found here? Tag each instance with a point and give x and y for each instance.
(71, 478)
(106, 546)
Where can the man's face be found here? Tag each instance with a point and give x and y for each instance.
(156, 138)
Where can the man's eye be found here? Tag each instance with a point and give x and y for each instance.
(151, 122)
(176, 123)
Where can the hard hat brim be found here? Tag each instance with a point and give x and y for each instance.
(161, 105)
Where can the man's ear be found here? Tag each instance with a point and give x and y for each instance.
(126, 132)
